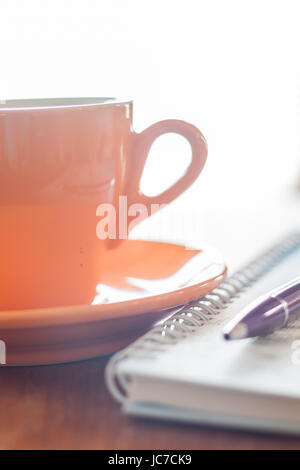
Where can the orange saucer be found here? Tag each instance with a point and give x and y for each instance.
(142, 281)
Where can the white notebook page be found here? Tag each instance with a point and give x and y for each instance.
(266, 365)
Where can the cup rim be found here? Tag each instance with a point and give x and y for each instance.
(29, 104)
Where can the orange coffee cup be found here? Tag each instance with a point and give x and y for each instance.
(59, 160)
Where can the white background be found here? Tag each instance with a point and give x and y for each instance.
(232, 68)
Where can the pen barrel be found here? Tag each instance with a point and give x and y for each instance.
(291, 299)
(274, 312)
(265, 318)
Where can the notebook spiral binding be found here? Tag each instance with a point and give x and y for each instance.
(189, 318)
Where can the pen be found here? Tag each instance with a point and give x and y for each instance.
(267, 314)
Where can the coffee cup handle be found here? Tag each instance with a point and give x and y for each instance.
(142, 144)
(138, 203)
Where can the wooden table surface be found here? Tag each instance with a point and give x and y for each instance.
(68, 407)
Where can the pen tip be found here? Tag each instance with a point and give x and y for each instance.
(239, 331)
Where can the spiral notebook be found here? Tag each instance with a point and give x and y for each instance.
(183, 369)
